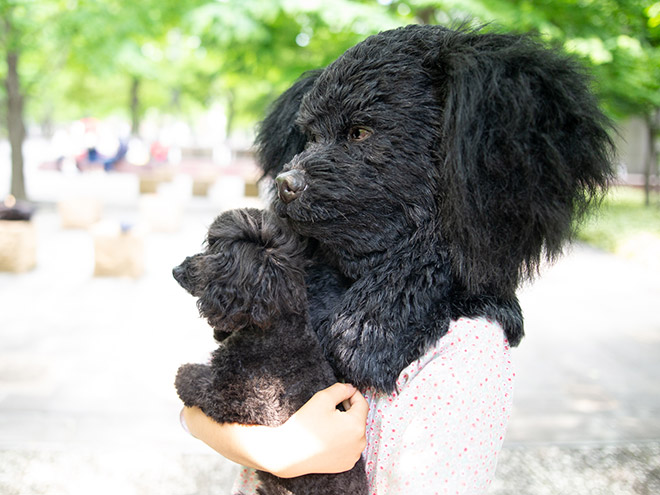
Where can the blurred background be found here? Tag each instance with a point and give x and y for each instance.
(126, 126)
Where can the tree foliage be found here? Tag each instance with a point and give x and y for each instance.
(81, 56)
(618, 39)
(102, 57)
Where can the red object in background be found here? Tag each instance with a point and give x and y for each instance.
(159, 151)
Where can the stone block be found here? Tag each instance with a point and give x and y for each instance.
(18, 246)
(118, 253)
(79, 213)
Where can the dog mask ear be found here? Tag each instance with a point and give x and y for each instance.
(279, 138)
(525, 152)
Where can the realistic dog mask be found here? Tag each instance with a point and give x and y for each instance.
(435, 169)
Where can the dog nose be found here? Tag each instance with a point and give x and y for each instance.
(290, 185)
(179, 274)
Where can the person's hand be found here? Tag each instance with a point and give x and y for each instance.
(318, 438)
(327, 440)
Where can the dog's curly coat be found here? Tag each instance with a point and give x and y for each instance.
(435, 169)
(250, 285)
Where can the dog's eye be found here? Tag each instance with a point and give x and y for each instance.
(359, 133)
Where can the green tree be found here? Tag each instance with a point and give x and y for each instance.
(256, 48)
(119, 44)
(84, 53)
(29, 61)
(619, 40)
(63, 59)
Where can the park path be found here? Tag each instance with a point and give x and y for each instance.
(87, 403)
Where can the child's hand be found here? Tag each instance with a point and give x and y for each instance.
(318, 438)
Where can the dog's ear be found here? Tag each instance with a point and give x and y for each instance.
(525, 152)
(279, 291)
(256, 273)
(279, 138)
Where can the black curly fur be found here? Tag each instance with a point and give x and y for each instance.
(250, 281)
(440, 167)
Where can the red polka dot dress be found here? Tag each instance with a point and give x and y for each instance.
(442, 431)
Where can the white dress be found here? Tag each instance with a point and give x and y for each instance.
(442, 431)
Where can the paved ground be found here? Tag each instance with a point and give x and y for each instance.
(86, 369)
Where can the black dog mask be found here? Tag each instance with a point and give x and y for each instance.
(439, 168)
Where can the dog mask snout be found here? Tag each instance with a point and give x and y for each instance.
(290, 185)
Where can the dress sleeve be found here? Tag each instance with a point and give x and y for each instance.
(444, 429)
(246, 483)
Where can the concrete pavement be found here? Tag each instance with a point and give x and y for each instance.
(87, 403)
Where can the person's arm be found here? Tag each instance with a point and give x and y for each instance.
(318, 438)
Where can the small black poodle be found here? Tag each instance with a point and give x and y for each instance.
(250, 281)
(432, 170)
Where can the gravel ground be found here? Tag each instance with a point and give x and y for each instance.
(589, 470)
(522, 470)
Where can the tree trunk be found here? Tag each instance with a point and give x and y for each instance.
(15, 125)
(135, 106)
(651, 166)
(230, 112)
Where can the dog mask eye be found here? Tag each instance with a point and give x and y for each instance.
(312, 138)
(358, 133)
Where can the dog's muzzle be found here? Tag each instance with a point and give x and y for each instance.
(181, 275)
(290, 185)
